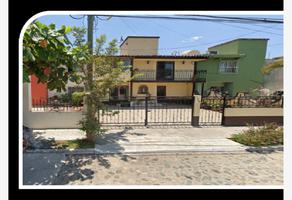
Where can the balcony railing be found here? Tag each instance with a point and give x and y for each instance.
(179, 75)
(200, 75)
(150, 75)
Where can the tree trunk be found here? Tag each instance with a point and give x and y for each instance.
(90, 109)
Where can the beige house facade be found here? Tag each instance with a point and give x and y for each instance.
(156, 75)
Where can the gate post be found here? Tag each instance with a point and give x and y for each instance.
(196, 110)
(146, 110)
(223, 110)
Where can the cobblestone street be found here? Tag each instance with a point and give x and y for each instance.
(174, 169)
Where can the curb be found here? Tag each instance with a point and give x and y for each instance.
(93, 151)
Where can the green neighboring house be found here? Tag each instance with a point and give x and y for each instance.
(234, 66)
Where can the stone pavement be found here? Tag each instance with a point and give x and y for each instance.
(208, 168)
(41, 168)
(156, 156)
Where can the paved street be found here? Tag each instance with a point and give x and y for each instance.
(160, 156)
(174, 169)
(41, 168)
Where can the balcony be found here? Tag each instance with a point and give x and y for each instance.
(200, 76)
(150, 75)
(179, 75)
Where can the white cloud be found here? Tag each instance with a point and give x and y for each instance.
(192, 39)
(185, 52)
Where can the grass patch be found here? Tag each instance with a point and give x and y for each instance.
(74, 144)
(269, 134)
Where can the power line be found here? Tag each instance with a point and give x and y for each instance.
(204, 44)
(170, 29)
(251, 29)
(242, 20)
(129, 26)
(77, 18)
(274, 28)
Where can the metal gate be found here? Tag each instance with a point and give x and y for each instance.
(212, 111)
(148, 111)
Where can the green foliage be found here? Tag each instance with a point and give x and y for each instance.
(49, 54)
(74, 144)
(77, 98)
(269, 134)
(108, 72)
(65, 98)
(91, 126)
(278, 63)
(214, 104)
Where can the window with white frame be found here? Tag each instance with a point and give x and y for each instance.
(228, 66)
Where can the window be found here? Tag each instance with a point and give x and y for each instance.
(213, 52)
(123, 90)
(143, 89)
(165, 71)
(228, 66)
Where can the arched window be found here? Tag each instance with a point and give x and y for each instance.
(143, 89)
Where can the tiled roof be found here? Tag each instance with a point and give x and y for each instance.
(203, 56)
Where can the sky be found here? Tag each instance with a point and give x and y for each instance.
(177, 35)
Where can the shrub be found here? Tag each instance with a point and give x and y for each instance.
(269, 134)
(77, 98)
(65, 98)
(74, 144)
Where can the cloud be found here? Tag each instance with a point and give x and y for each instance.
(185, 52)
(192, 39)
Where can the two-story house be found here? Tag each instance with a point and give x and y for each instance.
(154, 74)
(234, 66)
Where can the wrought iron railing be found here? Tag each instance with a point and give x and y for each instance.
(145, 75)
(55, 105)
(255, 102)
(150, 75)
(200, 75)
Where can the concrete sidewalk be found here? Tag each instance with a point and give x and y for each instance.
(169, 140)
(154, 139)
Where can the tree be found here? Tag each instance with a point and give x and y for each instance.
(278, 63)
(108, 72)
(49, 55)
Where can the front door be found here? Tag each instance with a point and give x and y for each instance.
(161, 91)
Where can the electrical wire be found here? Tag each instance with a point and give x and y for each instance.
(242, 20)
(77, 18)
(232, 25)
(170, 29)
(122, 20)
(239, 18)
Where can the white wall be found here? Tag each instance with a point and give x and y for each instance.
(250, 112)
(44, 120)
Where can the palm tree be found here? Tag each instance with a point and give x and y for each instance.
(277, 63)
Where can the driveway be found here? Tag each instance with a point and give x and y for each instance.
(168, 139)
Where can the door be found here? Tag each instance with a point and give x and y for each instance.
(165, 71)
(161, 91)
(124, 92)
